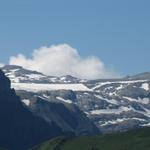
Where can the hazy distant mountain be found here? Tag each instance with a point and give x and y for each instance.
(141, 76)
(112, 104)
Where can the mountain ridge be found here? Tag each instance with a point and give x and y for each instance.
(112, 104)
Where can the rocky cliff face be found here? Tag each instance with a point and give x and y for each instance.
(67, 116)
(20, 128)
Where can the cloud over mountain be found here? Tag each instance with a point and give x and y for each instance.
(1, 64)
(63, 60)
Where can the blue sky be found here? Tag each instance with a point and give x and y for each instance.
(116, 31)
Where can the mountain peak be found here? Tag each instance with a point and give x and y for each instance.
(140, 76)
(10, 67)
(4, 81)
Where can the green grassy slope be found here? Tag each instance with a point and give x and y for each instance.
(133, 140)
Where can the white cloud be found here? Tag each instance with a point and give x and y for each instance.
(61, 60)
(1, 65)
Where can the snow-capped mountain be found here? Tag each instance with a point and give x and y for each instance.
(17, 74)
(113, 105)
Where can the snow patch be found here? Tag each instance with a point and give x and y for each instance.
(139, 100)
(111, 111)
(120, 82)
(112, 101)
(119, 120)
(33, 87)
(146, 125)
(120, 87)
(35, 76)
(26, 102)
(64, 100)
(145, 86)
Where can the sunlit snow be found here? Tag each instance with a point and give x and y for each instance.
(33, 87)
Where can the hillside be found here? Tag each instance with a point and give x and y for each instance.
(132, 140)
